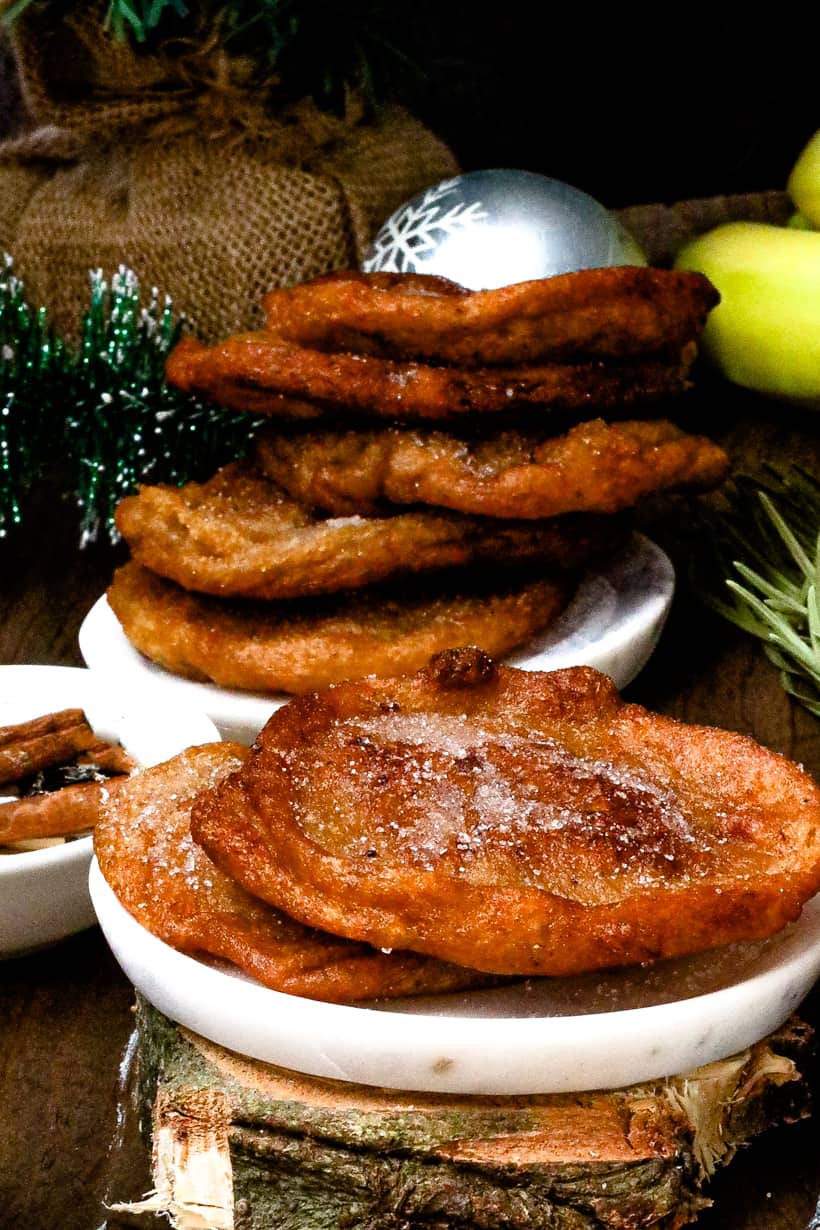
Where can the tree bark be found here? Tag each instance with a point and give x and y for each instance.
(248, 1146)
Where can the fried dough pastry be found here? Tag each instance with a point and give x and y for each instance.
(514, 821)
(295, 646)
(602, 313)
(597, 466)
(144, 847)
(240, 535)
(260, 373)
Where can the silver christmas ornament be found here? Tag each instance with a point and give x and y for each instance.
(492, 228)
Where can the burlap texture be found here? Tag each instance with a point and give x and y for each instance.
(175, 165)
(662, 230)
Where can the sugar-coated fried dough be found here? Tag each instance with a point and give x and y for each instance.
(145, 850)
(515, 821)
(295, 646)
(240, 535)
(260, 373)
(596, 466)
(601, 313)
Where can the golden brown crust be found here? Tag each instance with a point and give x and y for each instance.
(601, 313)
(516, 821)
(295, 646)
(240, 535)
(144, 847)
(597, 466)
(260, 373)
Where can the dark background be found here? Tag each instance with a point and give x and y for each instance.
(633, 103)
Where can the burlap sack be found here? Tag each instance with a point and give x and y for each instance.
(174, 164)
(662, 230)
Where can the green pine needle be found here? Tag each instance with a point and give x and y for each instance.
(765, 552)
(140, 17)
(105, 402)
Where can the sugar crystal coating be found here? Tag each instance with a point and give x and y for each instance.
(516, 821)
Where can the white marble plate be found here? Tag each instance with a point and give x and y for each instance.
(613, 623)
(539, 1036)
(44, 893)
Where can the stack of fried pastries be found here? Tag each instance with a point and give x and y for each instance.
(418, 347)
(445, 465)
(463, 824)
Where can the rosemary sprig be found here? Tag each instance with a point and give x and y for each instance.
(766, 542)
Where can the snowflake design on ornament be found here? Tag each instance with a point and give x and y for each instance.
(418, 228)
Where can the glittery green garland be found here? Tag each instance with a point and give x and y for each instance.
(103, 407)
(31, 361)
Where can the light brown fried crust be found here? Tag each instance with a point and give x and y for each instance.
(240, 535)
(144, 847)
(516, 821)
(597, 467)
(601, 313)
(295, 646)
(260, 373)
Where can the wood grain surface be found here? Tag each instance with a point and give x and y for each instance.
(66, 1139)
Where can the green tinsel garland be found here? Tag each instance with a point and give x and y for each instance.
(31, 358)
(102, 407)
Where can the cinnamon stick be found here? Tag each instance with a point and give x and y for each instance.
(111, 758)
(73, 809)
(52, 739)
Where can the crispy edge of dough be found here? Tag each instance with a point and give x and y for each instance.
(240, 535)
(397, 906)
(608, 312)
(596, 467)
(259, 373)
(256, 648)
(221, 919)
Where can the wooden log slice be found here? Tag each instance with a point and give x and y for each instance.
(249, 1146)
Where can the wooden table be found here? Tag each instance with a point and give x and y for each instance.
(65, 1014)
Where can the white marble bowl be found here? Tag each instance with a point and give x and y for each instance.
(613, 623)
(44, 893)
(549, 1035)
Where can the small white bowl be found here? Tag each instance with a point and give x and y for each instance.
(44, 893)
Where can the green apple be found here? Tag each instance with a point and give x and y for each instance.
(804, 182)
(800, 222)
(765, 332)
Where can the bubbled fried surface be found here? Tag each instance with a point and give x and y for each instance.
(240, 535)
(302, 644)
(514, 821)
(262, 374)
(612, 312)
(166, 881)
(595, 467)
